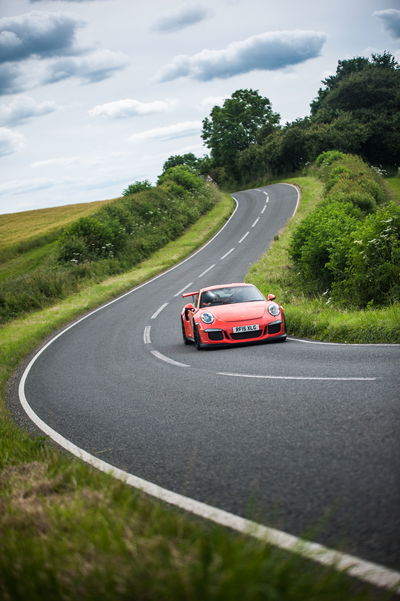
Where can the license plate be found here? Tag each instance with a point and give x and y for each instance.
(251, 328)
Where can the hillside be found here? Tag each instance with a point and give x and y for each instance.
(19, 229)
(47, 254)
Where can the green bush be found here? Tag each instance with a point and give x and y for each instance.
(137, 187)
(372, 273)
(91, 238)
(316, 240)
(325, 159)
(348, 246)
(182, 175)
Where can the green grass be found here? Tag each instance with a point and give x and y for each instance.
(21, 231)
(313, 317)
(394, 186)
(69, 532)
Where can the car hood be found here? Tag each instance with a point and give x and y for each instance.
(239, 311)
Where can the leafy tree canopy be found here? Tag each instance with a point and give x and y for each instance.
(234, 126)
(137, 187)
(188, 159)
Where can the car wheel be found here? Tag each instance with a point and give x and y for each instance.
(185, 340)
(197, 342)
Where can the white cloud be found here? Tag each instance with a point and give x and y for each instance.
(391, 20)
(178, 130)
(10, 141)
(210, 101)
(40, 48)
(267, 51)
(180, 19)
(92, 68)
(24, 108)
(79, 160)
(128, 107)
(39, 34)
(26, 186)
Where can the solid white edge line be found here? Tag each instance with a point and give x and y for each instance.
(243, 237)
(157, 313)
(298, 198)
(265, 377)
(168, 359)
(226, 254)
(183, 289)
(256, 221)
(366, 571)
(146, 335)
(206, 271)
(349, 344)
(369, 572)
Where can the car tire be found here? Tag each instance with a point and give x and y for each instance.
(197, 342)
(185, 340)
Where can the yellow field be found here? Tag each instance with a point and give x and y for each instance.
(27, 225)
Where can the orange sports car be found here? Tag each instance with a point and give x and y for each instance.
(231, 314)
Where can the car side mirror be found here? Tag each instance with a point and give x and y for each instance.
(271, 296)
(189, 309)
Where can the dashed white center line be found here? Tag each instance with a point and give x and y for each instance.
(243, 237)
(263, 209)
(267, 196)
(206, 270)
(183, 289)
(256, 221)
(226, 254)
(146, 335)
(157, 313)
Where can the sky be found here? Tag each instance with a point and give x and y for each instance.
(97, 94)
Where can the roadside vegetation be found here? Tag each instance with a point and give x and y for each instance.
(106, 242)
(336, 266)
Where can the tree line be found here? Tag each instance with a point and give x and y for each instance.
(356, 111)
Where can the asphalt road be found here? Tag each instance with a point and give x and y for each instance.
(300, 436)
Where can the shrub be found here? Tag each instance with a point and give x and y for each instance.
(137, 187)
(348, 246)
(183, 175)
(89, 238)
(325, 159)
(316, 240)
(372, 274)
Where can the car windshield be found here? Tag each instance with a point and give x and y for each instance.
(229, 295)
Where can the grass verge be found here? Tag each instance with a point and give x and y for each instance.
(70, 532)
(313, 317)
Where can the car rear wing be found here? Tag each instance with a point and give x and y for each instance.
(190, 294)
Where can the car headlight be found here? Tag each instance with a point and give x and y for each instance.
(207, 317)
(273, 309)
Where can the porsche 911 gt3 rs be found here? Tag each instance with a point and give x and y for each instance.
(231, 314)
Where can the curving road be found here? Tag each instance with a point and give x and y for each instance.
(300, 436)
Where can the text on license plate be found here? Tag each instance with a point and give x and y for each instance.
(250, 328)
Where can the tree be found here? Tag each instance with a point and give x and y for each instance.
(235, 126)
(188, 159)
(359, 110)
(137, 187)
